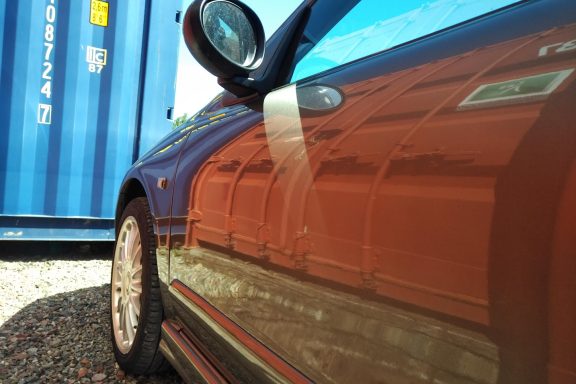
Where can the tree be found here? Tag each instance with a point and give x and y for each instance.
(180, 120)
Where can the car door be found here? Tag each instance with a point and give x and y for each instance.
(389, 211)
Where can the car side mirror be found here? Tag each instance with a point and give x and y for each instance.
(227, 38)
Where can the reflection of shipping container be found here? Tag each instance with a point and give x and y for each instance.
(86, 87)
(395, 191)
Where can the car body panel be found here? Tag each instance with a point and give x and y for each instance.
(419, 231)
(412, 174)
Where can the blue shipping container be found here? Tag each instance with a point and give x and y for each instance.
(86, 86)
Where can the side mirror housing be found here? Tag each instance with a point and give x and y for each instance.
(227, 38)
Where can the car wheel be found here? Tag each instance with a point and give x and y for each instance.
(136, 306)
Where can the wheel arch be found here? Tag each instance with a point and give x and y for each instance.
(131, 189)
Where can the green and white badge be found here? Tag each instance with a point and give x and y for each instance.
(515, 91)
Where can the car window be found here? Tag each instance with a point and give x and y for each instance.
(341, 31)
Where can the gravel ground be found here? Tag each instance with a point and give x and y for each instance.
(54, 316)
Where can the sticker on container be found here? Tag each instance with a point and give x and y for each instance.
(99, 12)
(96, 59)
(515, 91)
(44, 114)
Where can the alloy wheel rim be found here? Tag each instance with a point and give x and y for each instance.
(127, 285)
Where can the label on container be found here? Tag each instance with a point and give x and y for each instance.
(96, 59)
(99, 12)
(557, 48)
(515, 91)
(44, 115)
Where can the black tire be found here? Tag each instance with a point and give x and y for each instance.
(142, 354)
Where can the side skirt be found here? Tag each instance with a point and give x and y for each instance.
(179, 348)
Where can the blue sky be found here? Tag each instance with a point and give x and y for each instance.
(195, 86)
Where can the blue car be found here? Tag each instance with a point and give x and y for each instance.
(384, 192)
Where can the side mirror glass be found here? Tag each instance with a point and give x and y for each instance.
(225, 36)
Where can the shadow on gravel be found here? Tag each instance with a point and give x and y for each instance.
(64, 338)
(23, 251)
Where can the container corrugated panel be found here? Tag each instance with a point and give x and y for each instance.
(393, 192)
(85, 87)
